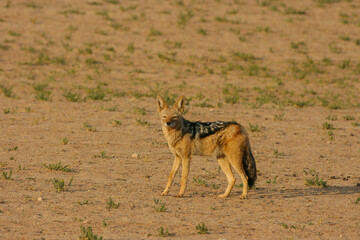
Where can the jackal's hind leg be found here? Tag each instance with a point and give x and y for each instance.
(225, 166)
(236, 163)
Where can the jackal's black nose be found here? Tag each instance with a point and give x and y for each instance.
(168, 123)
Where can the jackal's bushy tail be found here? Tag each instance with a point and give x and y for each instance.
(249, 166)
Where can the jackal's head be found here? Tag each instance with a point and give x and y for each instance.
(171, 116)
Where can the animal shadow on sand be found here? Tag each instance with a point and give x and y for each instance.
(303, 192)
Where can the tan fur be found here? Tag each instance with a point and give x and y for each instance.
(228, 145)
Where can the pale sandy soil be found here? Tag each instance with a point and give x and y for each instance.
(291, 68)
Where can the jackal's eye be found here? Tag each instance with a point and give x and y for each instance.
(175, 117)
(163, 117)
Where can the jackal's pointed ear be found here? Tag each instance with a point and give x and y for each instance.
(180, 104)
(161, 103)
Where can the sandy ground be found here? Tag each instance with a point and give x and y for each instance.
(78, 85)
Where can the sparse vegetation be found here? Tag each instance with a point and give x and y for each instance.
(41, 92)
(7, 91)
(90, 127)
(60, 185)
(163, 232)
(56, 167)
(255, 128)
(111, 204)
(72, 97)
(202, 229)
(78, 87)
(142, 122)
(102, 154)
(87, 234)
(315, 181)
(7, 175)
(97, 93)
(159, 205)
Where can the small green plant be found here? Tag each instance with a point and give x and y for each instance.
(89, 127)
(142, 122)
(104, 223)
(168, 57)
(102, 154)
(129, 8)
(327, 126)
(231, 94)
(140, 111)
(284, 225)
(355, 124)
(64, 140)
(85, 202)
(273, 181)
(327, 61)
(154, 32)
(116, 122)
(57, 167)
(112, 1)
(6, 110)
(316, 181)
(199, 181)
(255, 128)
(279, 117)
(348, 118)
(12, 149)
(334, 48)
(202, 229)
(357, 200)
(111, 204)
(345, 38)
(14, 34)
(300, 47)
(331, 118)
(159, 205)
(41, 92)
(301, 104)
(72, 97)
(345, 64)
(184, 18)
(331, 135)
(96, 93)
(87, 234)
(131, 48)
(163, 232)
(7, 91)
(111, 109)
(202, 31)
(59, 184)
(322, 2)
(204, 104)
(291, 10)
(276, 153)
(7, 175)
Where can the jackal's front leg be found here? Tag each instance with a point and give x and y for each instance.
(184, 175)
(175, 167)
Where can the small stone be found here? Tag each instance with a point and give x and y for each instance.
(39, 199)
(135, 155)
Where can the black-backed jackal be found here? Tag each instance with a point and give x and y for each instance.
(228, 141)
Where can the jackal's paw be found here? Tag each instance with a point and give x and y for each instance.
(243, 196)
(179, 195)
(164, 193)
(223, 196)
